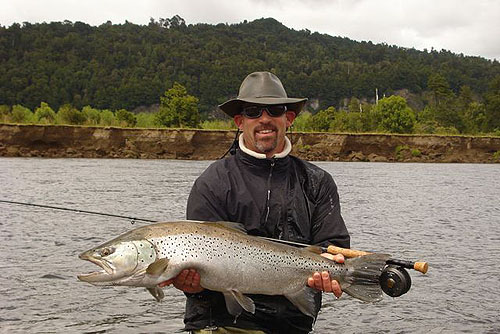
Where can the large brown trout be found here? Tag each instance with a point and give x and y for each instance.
(229, 261)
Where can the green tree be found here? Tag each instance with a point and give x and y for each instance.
(44, 114)
(439, 87)
(492, 104)
(145, 120)
(107, 118)
(67, 114)
(347, 122)
(125, 118)
(178, 109)
(303, 122)
(394, 115)
(92, 115)
(426, 121)
(22, 114)
(474, 118)
(354, 105)
(446, 108)
(322, 119)
(4, 113)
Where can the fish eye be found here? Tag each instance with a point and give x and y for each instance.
(106, 251)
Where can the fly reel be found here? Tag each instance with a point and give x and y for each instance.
(395, 280)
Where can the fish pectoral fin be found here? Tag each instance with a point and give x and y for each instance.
(236, 302)
(157, 292)
(303, 299)
(158, 267)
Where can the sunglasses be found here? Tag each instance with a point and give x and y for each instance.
(256, 111)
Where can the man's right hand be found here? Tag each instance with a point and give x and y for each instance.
(188, 281)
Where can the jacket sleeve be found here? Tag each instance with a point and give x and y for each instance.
(328, 226)
(205, 199)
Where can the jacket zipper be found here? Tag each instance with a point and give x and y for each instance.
(268, 199)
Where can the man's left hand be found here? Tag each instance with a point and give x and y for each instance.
(321, 281)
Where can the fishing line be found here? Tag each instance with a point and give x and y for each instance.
(133, 219)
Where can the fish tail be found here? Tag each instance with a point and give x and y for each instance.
(362, 278)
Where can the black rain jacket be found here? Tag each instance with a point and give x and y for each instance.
(285, 198)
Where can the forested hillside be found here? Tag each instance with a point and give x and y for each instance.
(126, 66)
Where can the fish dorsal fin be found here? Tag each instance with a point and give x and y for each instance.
(157, 292)
(303, 299)
(158, 267)
(314, 249)
(236, 302)
(235, 227)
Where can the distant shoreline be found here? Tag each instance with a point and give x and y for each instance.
(66, 141)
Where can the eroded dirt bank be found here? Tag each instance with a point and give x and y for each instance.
(96, 142)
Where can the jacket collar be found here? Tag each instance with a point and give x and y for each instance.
(282, 154)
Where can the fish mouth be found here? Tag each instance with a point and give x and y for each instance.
(102, 276)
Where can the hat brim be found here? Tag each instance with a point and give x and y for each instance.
(233, 107)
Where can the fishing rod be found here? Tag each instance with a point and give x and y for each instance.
(347, 252)
(133, 219)
(394, 279)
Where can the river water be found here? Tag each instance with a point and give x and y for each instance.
(446, 214)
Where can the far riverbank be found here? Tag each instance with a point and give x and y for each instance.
(62, 141)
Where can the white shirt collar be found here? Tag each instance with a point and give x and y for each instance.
(282, 154)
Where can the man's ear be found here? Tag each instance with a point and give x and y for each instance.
(290, 117)
(238, 120)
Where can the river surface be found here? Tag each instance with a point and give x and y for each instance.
(446, 214)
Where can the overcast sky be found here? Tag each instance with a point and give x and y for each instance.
(471, 27)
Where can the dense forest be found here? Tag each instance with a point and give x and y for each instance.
(130, 67)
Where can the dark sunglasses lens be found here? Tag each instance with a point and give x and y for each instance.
(276, 111)
(252, 112)
(256, 112)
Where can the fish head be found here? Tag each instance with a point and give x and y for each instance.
(121, 261)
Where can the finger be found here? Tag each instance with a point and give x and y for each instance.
(339, 258)
(196, 279)
(318, 283)
(189, 277)
(336, 289)
(326, 282)
(328, 256)
(310, 282)
(180, 280)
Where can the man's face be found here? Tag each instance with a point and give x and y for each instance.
(265, 134)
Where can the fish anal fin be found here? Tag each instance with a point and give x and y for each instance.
(157, 292)
(236, 302)
(244, 301)
(303, 299)
(158, 267)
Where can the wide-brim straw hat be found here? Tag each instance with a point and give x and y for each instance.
(262, 88)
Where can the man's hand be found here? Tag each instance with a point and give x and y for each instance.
(322, 281)
(188, 281)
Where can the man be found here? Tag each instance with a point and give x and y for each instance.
(273, 194)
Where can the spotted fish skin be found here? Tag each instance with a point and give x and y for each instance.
(228, 260)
